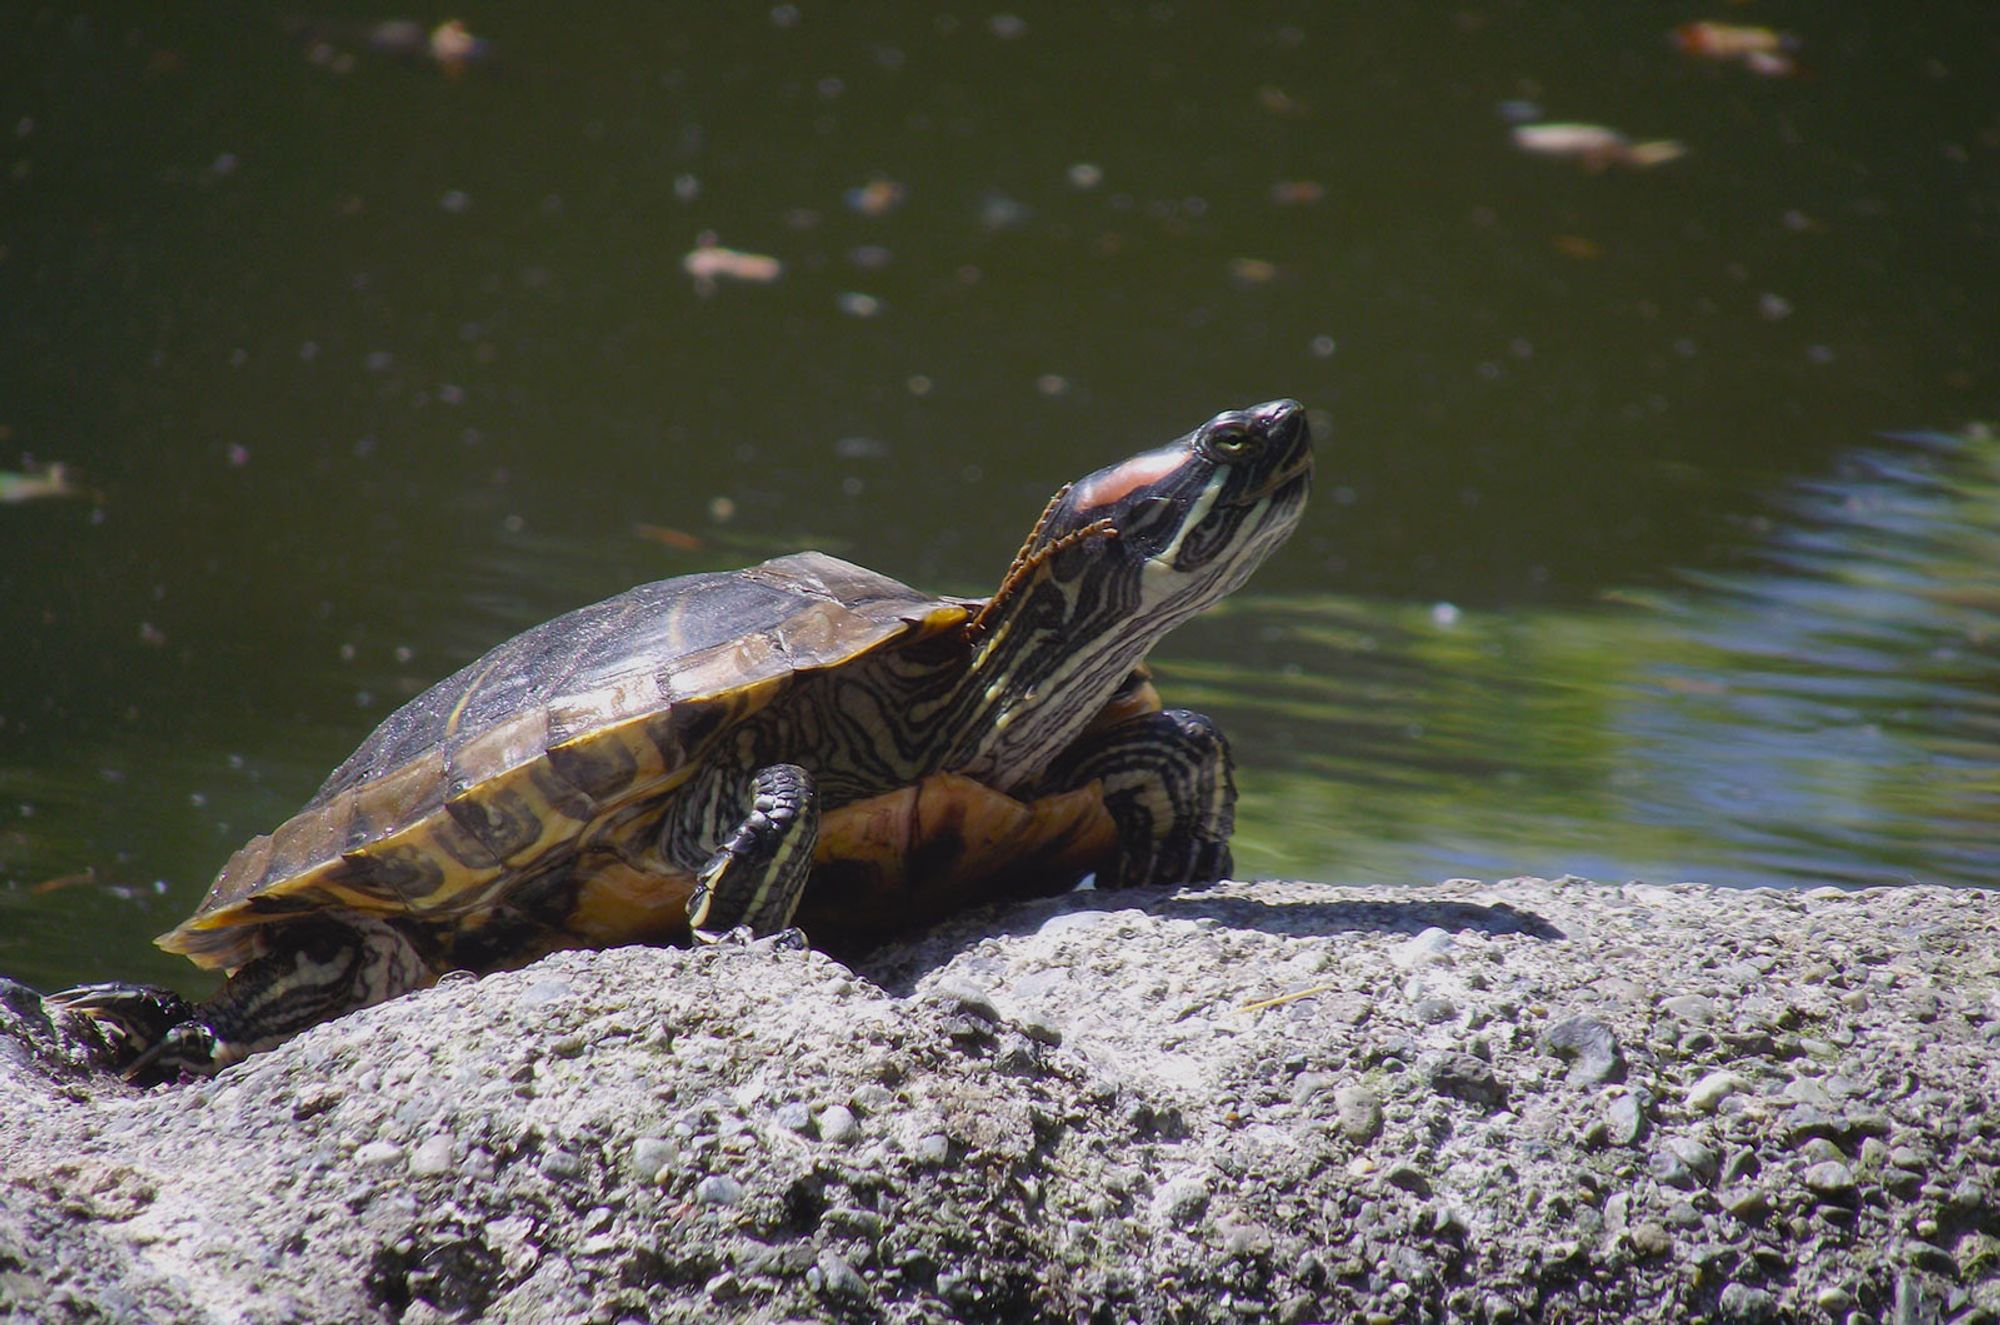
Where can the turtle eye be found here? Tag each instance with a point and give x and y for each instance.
(1230, 442)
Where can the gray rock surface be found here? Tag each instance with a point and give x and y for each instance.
(1514, 1102)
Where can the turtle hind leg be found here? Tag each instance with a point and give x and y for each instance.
(758, 874)
(1170, 788)
(313, 971)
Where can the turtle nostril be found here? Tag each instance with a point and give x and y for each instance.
(1280, 419)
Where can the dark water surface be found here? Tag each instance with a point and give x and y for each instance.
(360, 366)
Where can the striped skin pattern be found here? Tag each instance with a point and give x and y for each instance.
(1191, 531)
(585, 782)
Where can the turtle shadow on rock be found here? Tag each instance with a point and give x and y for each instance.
(1410, 917)
(896, 966)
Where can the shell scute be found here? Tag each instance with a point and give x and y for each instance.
(398, 870)
(481, 756)
(600, 766)
(505, 822)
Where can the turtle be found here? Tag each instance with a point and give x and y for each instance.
(803, 747)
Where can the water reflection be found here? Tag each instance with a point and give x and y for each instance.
(1828, 711)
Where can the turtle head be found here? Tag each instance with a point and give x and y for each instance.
(1120, 558)
(1158, 537)
(1193, 518)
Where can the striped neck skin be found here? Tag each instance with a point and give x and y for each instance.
(1117, 561)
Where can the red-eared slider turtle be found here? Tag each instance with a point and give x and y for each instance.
(802, 738)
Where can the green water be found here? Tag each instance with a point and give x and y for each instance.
(361, 367)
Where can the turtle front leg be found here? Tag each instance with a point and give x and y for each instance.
(758, 874)
(315, 971)
(1170, 788)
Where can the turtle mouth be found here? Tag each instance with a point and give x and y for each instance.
(1296, 473)
(1289, 481)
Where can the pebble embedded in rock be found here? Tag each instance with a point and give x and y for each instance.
(433, 1157)
(1968, 1196)
(1625, 1119)
(1313, 1084)
(838, 1124)
(1697, 1008)
(377, 1154)
(1409, 1177)
(848, 1219)
(1742, 1302)
(1240, 1240)
(546, 991)
(1868, 1122)
(1459, 1074)
(651, 1155)
(1040, 1027)
(1651, 1239)
(793, 1116)
(1018, 1059)
(1182, 1200)
(561, 1165)
(1072, 922)
(1433, 1009)
(1747, 1203)
(1699, 1158)
(1590, 1044)
(838, 1279)
(1667, 1167)
(1707, 1094)
(718, 1189)
(1909, 1157)
(1805, 1090)
(1830, 1180)
(1433, 945)
(1357, 1112)
(967, 997)
(1805, 1121)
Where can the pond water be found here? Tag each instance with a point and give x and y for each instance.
(1655, 535)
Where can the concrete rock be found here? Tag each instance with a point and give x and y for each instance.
(1230, 1124)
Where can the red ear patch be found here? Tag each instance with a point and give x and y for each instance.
(1112, 485)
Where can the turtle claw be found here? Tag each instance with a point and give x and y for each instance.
(736, 936)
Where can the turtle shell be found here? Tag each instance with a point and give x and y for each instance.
(500, 771)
